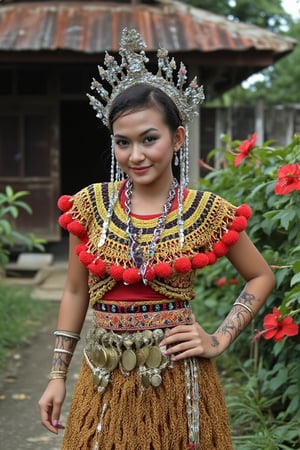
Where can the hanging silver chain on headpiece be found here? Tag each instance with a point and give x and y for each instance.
(132, 71)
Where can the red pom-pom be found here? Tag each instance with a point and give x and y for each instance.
(230, 238)
(64, 220)
(162, 270)
(86, 258)
(244, 210)
(116, 272)
(80, 248)
(239, 224)
(131, 276)
(199, 261)
(150, 274)
(220, 249)
(97, 268)
(77, 229)
(182, 265)
(211, 258)
(64, 203)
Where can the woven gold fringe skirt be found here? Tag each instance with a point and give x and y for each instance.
(155, 418)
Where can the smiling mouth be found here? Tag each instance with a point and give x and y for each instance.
(137, 169)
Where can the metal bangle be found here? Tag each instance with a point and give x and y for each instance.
(246, 307)
(57, 374)
(57, 377)
(59, 371)
(62, 350)
(68, 334)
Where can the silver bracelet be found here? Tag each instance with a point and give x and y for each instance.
(62, 350)
(246, 307)
(68, 334)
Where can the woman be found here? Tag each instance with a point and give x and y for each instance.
(147, 379)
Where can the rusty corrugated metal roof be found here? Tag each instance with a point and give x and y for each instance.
(93, 27)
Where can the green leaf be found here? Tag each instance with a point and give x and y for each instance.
(9, 192)
(281, 275)
(279, 380)
(294, 405)
(295, 279)
(5, 227)
(23, 205)
(296, 266)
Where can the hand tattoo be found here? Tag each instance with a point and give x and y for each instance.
(214, 341)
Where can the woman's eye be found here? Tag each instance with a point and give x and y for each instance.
(121, 142)
(150, 139)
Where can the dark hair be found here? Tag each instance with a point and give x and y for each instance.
(142, 96)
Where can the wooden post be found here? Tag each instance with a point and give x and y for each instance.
(259, 121)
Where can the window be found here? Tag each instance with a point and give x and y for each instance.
(25, 143)
(32, 82)
(10, 151)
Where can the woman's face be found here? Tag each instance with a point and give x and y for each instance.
(144, 146)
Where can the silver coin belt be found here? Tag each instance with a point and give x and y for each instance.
(106, 350)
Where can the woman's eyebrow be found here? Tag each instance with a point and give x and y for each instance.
(117, 135)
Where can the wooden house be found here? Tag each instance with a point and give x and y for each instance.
(50, 139)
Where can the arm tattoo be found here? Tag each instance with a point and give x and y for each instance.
(61, 361)
(237, 320)
(246, 298)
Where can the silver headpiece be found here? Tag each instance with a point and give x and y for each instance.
(132, 71)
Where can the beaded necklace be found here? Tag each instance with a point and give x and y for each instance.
(141, 260)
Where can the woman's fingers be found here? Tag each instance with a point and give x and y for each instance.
(50, 405)
(46, 417)
(184, 341)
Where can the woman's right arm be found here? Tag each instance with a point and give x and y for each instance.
(72, 312)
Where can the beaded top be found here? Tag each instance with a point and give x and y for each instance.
(133, 71)
(211, 226)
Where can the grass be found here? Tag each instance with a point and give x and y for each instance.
(21, 317)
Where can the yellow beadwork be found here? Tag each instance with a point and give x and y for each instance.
(89, 208)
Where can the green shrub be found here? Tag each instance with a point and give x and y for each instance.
(10, 204)
(265, 407)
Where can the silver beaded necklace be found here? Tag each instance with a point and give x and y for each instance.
(142, 261)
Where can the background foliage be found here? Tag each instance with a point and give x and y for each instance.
(263, 13)
(278, 84)
(10, 205)
(262, 378)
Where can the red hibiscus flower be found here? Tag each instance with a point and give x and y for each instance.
(221, 282)
(276, 326)
(288, 179)
(244, 149)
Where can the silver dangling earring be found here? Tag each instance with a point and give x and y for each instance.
(176, 159)
(113, 161)
(184, 161)
(183, 182)
(115, 175)
(119, 172)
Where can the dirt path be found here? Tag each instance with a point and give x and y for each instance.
(22, 386)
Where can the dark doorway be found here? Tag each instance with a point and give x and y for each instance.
(84, 149)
